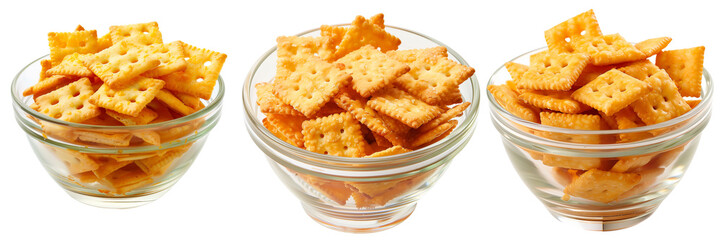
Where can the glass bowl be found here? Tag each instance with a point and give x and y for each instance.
(112, 166)
(325, 184)
(544, 157)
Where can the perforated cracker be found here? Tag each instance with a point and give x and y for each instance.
(560, 101)
(608, 49)
(640, 70)
(371, 69)
(685, 66)
(516, 70)
(308, 46)
(572, 121)
(68, 103)
(129, 100)
(358, 107)
(290, 127)
(427, 136)
(170, 100)
(663, 103)
(652, 46)
(200, 74)
(308, 83)
(590, 73)
(445, 117)
(582, 26)
(509, 100)
(120, 64)
(611, 91)
(337, 135)
(403, 107)
(602, 186)
(171, 57)
(556, 72)
(76, 162)
(49, 84)
(409, 56)
(119, 33)
(66, 43)
(71, 65)
(432, 78)
(363, 32)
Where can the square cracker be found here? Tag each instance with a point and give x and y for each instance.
(510, 101)
(560, 101)
(626, 119)
(421, 138)
(129, 100)
(50, 84)
(66, 43)
(105, 138)
(661, 104)
(269, 103)
(308, 83)
(290, 127)
(363, 32)
(685, 66)
(403, 107)
(171, 57)
(119, 33)
(144, 117)
(71, 65)
(653, 46)
(120, 64)
(76, 162)
(358, 107)
(432, 77)
(590, 73)
(602, 186)
(640, 70)
(173, 102)
(572, 121)
(612, 91)
(556, 72)
(582, 26)
(309, 46)
(337, 134)
(69, 103)
(446, 116)
(200, 74)
(608, 49)
(516, 70)
(371, 69)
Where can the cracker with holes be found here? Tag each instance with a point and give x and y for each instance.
(403, 107)
(409, 56)
(290, 127)
(120, 64)
(129, 100)
(602, 186)
(337, 135)
(69, 103)
(572, 121)
(171, 57)
(640, 70)
(66, 43)
(685, 66)
(371, 69)
(516, 70)
(612, 91)
(308, 83)
(119, 33)
(71, 65)
(49, 84)
(580, 27)
(560, 101)
(608, 49)
(627, 119)
(362, 32)
(509, 100)
(556, 72)
(269, 103)
(358, 107)
(431, 78)
(310, 46)
(200, 74)
(663, 103)
(590, 73)
(75, 161)
(652, 46)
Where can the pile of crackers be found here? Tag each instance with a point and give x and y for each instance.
(590, 81)
(351, 93)
(127, 77)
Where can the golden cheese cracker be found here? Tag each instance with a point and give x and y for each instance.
(556, 72)
(69, 103)
(201, 72)
(337, 135)
(602, 186)
(508, 99)
(363, 32)
(608, 49)
(663, 103)
(611, 91)
(371, 69)
(403, 107)
(582, 26)
(652, 46)
(553, 100)
(71, 65)
(120, 64)
(431, 78)
(129, 100)
(290, 127)
(66, 43)
(308, 46)
(119, 33)
(685, 66)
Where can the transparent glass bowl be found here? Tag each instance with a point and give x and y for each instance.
(663, 152)
(325, 184)
(127, 173)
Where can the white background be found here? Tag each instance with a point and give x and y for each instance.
(231, 192)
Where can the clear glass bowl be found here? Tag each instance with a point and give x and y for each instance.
(128, 173)
(323, 183)
(662, 152)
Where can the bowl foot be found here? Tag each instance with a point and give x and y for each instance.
(603, 220)
(361, 220)
(116, 202)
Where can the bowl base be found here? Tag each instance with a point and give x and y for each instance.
(605, 220)
(360, 221)
(116, 202)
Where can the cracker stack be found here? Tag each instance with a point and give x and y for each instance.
(351, 93)
(126, 77)
(590, 81)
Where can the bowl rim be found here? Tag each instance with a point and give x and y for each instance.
(495, 106)
(406, 159)
(215, 103)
